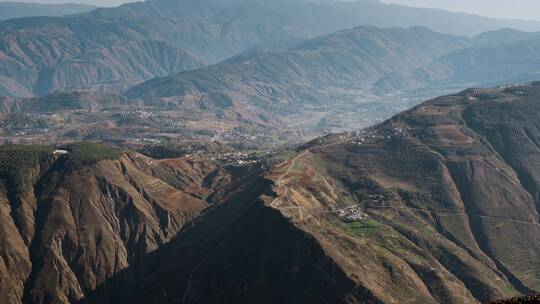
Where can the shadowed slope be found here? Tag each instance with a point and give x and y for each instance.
(70, 222)
(449, 189)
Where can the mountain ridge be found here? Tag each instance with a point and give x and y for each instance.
(335, 70)
(491, 61)
(202, 32)
(72, 220)
(11, 10)
(449, 193)
(435, 205)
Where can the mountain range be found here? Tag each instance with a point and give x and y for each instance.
(10, 10)
(347, 79)
(40, 55)
(489, 62)
(343, 71)
(303, 88)
(59, 242)
(436, 205)
(439, 204)
(328, 72)
(251, 151)
(353, 59)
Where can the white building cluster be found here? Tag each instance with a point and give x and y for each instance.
(352, 213)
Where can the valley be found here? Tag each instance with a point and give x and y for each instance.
(437, 228)
(273, 98)
(70, 117)
(434, 205)
(251, 151)
(339, 82)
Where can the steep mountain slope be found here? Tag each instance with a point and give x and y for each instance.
(502, 36)
(349, 58)
(437, 205)
(9, 10)
(496, 59)
(334, 70)
(10, 87)
(41, 62)
(69, 222)
(47, 54)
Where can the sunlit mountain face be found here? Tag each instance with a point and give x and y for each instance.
(288, 151)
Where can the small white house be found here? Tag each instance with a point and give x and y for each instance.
(60, 152)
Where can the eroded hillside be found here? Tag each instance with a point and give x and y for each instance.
(437, 205)
(71, 221)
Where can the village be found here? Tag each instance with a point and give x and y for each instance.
(237, 158)
(352, 214)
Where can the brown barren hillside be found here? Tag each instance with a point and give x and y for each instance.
(437, 205)
(69, 222)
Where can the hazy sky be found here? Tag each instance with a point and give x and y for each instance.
(523, 9)
(89, 2)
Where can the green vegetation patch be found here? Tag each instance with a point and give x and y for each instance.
(85, 154)
(349, 200)
(17, 161)
(298, 167)
(528, 299)
(283, 156)
(411, 254)
(511, 291)
(362, 227)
